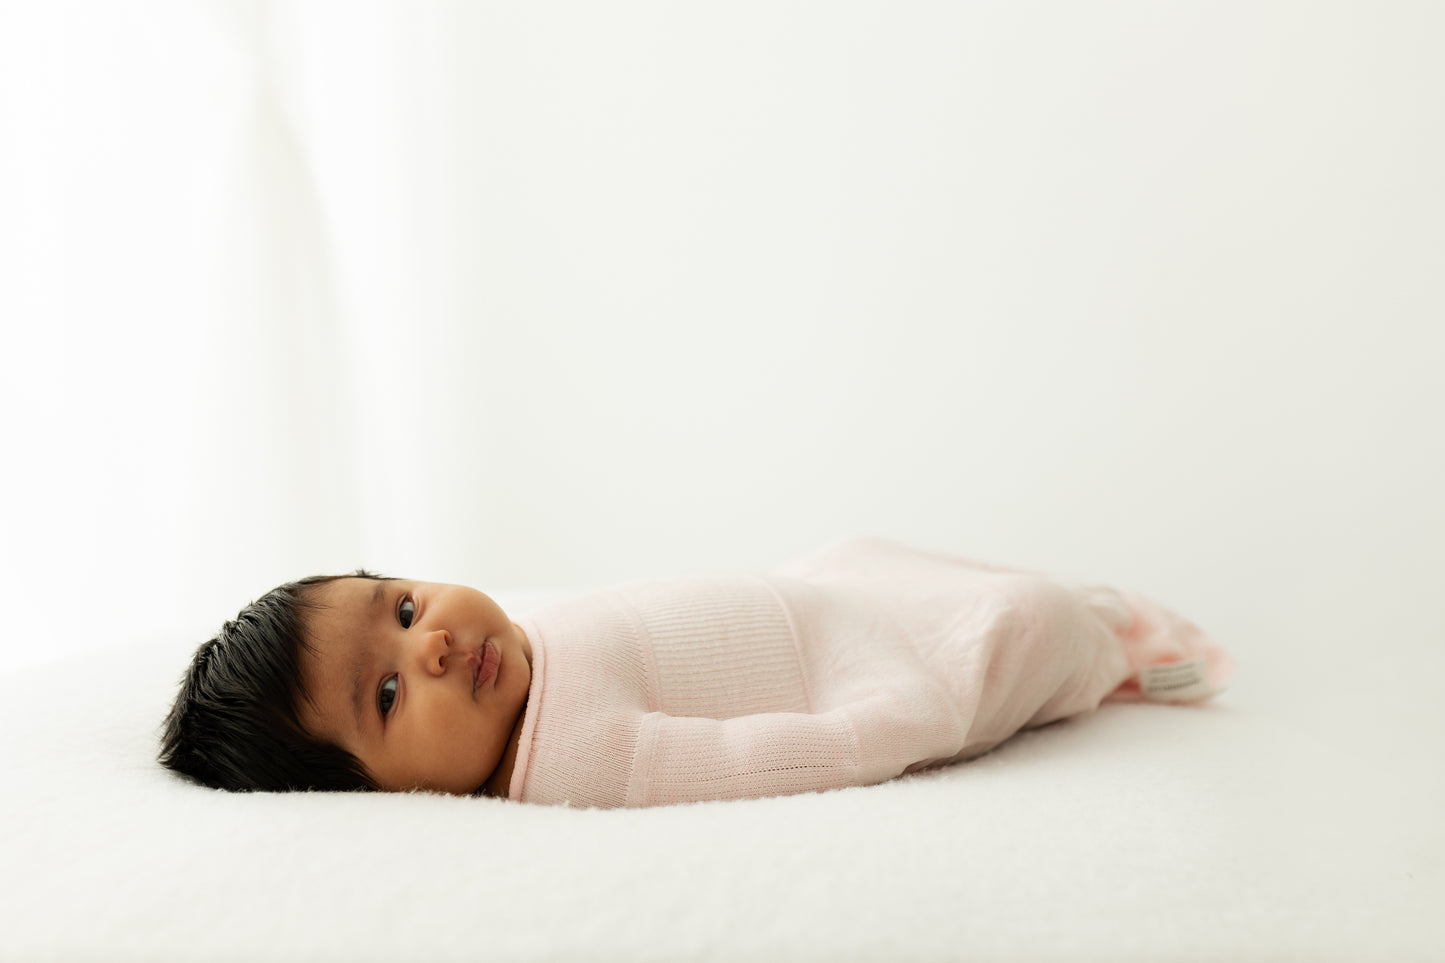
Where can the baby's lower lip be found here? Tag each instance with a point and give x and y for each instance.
(487, 665)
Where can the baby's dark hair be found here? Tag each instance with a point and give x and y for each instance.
(235, 724)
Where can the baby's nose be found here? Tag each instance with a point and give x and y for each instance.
(438, 646)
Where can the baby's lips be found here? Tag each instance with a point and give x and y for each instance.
(491, 661)
(484, 663)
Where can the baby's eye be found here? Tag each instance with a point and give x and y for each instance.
(386, 695)
(405, 612)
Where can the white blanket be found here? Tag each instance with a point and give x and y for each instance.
(1299, 817)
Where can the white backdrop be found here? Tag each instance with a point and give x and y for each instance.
(565, 293)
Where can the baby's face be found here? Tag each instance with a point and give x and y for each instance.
(426, 684)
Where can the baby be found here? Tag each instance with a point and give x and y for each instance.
(849, 667)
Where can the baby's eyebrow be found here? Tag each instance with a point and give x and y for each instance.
(356, 680)
(378, 595)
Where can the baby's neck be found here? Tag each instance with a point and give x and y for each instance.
(500, 781)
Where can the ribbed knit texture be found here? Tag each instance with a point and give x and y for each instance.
(719, 648)
(848, 667)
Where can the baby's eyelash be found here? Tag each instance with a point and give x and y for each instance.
(386, 695)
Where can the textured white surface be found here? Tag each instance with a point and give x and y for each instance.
(1299, 817)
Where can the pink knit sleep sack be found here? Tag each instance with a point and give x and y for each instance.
(849, 667)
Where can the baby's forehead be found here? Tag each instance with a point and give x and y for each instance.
(341, 613)
(352, 594)
(337, 631)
